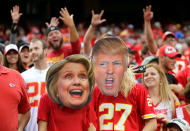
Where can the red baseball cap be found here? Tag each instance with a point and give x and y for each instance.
(167, 33)
(10, 47)
(169, 51)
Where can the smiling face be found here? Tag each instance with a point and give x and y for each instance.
(109, 72)
(12, 57)
(151, 77)
(55, 39)
(24, 55)
(36, 51)
(73, 85)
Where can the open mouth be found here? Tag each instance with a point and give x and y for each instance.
(109, 82)
(55, 40)
(76, 93)
(26, 57)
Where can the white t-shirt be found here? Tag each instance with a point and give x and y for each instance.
(36, 87)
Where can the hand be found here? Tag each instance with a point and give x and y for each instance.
(133, 68)
(162, 118)
(54, 22)
(66, 17)
(148, 14)
(96, 18)
(15, 14)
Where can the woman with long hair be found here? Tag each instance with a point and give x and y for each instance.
(165, 102)
(12, 58)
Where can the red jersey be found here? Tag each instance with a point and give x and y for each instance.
(182, 76)
(13, 98)
(180, 64)
(120, 113)
(64, 119)
(186, 114)
(166, 109)
(66, 50)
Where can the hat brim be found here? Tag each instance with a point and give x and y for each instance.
(174, 54)
(10, 50)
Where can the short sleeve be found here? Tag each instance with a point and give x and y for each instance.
(145, 103)
(24, 105)
(44, 108)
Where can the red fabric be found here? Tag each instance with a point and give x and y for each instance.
(66, 50)
(168, 50)
(187, 53)
(182, 76)
(120, 113)
(182, 79)
(13, 97)
(64, 119)
(186, 115)
(181, 63)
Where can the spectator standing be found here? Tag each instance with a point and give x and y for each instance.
(35, 79)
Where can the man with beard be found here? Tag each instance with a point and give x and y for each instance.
(168, 59)
(35, 79)
(55, 38)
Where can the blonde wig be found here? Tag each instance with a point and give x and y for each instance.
(113, 45)
(52, 76)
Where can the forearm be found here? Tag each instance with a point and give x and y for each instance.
(23, 120)
(13, 33)
(87, 40)
(42, 125)
(149, 37)
(13, 38)
(74, 36)
(177, 89)
(150, 125)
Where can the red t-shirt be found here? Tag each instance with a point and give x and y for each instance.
(13, 98)
(64, 119)
(120, 113)
(66, 50)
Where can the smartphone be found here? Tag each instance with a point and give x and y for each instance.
(141, 69)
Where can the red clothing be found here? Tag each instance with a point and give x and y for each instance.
(66, 50)
(182, 76)
(64, 119)
(186, 115)
(180, 64)
(13, 98)
(120, 113)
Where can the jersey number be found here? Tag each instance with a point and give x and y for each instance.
(33, 90)
(110, 107)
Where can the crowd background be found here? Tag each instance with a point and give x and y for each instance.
(124, 19)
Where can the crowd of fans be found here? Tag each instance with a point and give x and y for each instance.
(165, 52)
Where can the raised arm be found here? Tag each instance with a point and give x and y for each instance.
(68, 21)
(15, 15)
(95, 21)
(148, 15)
(54, 22)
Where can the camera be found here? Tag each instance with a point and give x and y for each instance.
(141, 69)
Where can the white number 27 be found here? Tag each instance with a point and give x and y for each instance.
(110, 107)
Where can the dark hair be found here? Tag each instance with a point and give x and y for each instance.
(19, 64)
